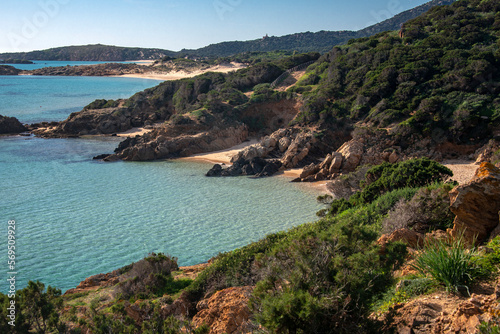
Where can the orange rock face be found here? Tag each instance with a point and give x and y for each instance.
(476, 204)
(95, 282)
(442, 314)
(226, 311)
(411, 238)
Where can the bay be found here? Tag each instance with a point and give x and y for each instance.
(76, 217)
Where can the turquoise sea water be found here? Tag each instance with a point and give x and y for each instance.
(76, 217)
(43, 98)
(46, 63)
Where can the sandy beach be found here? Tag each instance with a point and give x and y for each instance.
(134, 132)
(143, 62)
(319, 186)
(176, 75)
(224, 157)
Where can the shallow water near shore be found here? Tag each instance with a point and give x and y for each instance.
(76, 217)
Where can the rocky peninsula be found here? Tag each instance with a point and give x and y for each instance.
(160, 70)
(9, 70)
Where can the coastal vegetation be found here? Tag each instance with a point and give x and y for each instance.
(95, 52)
(431, 85)
(437, 77)
(15, 61)
(327, 276)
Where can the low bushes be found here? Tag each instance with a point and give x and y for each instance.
(428, 210)
(386, 177)
(151, 276)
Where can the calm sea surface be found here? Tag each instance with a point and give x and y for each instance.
(76, 217)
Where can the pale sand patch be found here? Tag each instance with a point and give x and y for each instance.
(463, 170)
(223, 156)
(134, 132)
(318, 186)
(183, 74)
(142, 62)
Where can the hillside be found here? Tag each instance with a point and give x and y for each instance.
(321, 41)
(97, 52)
(435, 86)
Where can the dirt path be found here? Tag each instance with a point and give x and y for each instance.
(463, 170)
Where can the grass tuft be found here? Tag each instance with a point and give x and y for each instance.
(449, 264)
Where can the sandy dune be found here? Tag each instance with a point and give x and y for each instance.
(185, 74)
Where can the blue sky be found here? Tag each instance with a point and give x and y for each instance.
(27, 25)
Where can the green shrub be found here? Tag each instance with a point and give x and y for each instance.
(428, 210)
(488, 260)
(101, 104)
(404, 291)
(386, 177)
(151, 276)
(409, 173)
(489, 327)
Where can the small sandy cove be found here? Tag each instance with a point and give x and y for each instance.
(134, 132)
(224, 157)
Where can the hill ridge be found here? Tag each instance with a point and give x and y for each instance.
(320, 41)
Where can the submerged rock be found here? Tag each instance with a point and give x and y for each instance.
(101, 157)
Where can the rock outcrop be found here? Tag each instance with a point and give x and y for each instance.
(226, 311)
(11, 125)
(368, 147)
(284, 148)
(256, 166)
(476, 204)
(170, 141)
(290, 145)
(443, 314)
(101, 121)
(95, 282)
(344, 160)
(489, 152)
(411, 238)
(9, 70)
(181, 307)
